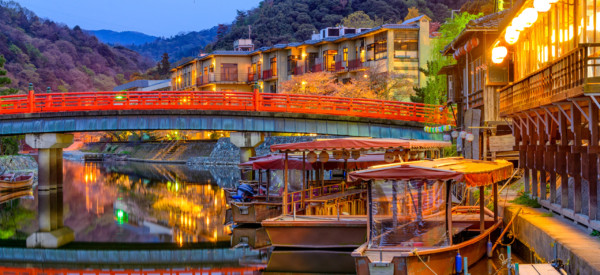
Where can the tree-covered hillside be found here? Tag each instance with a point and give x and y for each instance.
(283, 21)
(179, 46)
(49, 54)
(123, 38)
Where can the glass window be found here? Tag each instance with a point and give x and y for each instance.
(345, 54)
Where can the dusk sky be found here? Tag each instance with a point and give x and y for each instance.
(154, 17)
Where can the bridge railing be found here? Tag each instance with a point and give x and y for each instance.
(227, 101)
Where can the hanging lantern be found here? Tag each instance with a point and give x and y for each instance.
(389, 157)
(355, 155)
(324, 156)
(454, 134)
(518, 23)
(463, 134)
(475, 42)
(470, 137)
(541, 5)
(345, 154)
(422, 155)
(512, 35)
(552, 1)
(337, 154)
(498, 54)
(447, 137)
(530, 15)
(311, 157)
(425, 129)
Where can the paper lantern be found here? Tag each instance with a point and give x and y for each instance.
(498, 54)
(454, 134)
(345, 154)
(447, 137)
(530, 15)
(552, 1)
(324, 156)
(311, 157)
(512, 35)
(422, 155)
(389, 157)
(470, 137)
(337, 154)
(475, 42)
(518, 23)
(463, 134)
(356, 154)
(541, 5)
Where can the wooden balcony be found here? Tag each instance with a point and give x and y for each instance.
(339, 66)
(572, 75)
(298, 70)
(355, 65)
(269, 74)
(316, 68)
(253, 77)
(225, 78)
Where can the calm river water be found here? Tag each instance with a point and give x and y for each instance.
(128, 203)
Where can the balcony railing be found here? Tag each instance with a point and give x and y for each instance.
(355, 64)
(339, 66)
(221, 78)
(562, 79)
(316, 68)
(269, 74)
(298, 70)
(252, 77)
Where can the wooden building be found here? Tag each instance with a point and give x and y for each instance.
(553, 48)
(472, 84)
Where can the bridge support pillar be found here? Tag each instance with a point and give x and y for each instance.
(247, 142)
(52, 233)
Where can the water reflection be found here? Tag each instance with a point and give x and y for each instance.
(139, 202)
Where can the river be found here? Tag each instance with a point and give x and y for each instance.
(117, 204)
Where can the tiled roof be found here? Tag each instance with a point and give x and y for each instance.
(490, 22)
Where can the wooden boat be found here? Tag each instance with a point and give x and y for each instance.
(11, 195)
(252, 236)
(15, 181)
(310, 261)
(335, 219)
(430, 243)
(254, 212)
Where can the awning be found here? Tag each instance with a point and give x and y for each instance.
(359, 144)
(473, 172)
(276, 162)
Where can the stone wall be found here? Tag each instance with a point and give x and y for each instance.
(18, 163)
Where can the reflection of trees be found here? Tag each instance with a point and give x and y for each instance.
(12, 217)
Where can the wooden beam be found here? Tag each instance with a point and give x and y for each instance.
(575, 161)
(593, 161)
(285, 184)
(550, 113)
(449, 211)
(481, 209)
(495, 194)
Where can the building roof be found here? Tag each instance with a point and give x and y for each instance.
(490, 22)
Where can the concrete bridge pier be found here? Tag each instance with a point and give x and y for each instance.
(247, 142)
(52, 232)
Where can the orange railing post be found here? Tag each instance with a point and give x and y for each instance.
(256, 96)
(31, 98)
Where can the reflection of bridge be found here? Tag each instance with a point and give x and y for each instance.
(234, 111)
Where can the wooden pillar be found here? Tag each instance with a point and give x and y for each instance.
(593, 161)
(575, 161)
(322, 174)
(561, 159)
(524, 153)
(531, 157)
(268, 182)
(395, 203)
(302, 195)
(540, 155)
(259, 179)
(449, 211)
(495, 194)
(370, 229)
(551, 153)
(481, 207)
(285, 184)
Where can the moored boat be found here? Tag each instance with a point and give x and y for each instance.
(15, 181)
(428, 244)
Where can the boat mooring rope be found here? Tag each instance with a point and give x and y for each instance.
(417, 254)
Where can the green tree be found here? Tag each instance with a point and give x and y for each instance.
(165, 65)
(5, 80)
(412, 13)
(434, 90)
(360, 19)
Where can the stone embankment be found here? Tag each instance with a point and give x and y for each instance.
(18, 163)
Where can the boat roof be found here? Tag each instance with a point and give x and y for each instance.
(276, 162)
(473, 172)
(359, 144)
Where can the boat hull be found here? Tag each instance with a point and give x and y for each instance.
(254, 212)
(440, 260)
(326, 233)
(255, 237)
(310, 261)
(16, 184)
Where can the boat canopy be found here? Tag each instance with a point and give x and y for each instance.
(359, 144)
(473, 172)
(276, 162)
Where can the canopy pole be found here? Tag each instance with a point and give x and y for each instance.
(345, 169)
(285, 184)
(481, 206)
(268, 182)
(304, 170)
(370, 213)
(420, 202)
(322, 175)
(449, 211)
(395, 203)
(495, 192)
(259, 179)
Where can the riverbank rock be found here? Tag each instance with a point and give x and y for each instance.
(18, 163)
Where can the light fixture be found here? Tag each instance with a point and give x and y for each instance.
(356, 154)
(498, 54)
(470, 137)
(518, 23)
(311, 157)
(337, 154)
(541, 5)
(512, 35)
(552, 1)
(530, 15)
(324, 156)
(389, 157)
(463, 134)
(454, 134)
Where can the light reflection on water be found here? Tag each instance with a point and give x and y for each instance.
(139, 203)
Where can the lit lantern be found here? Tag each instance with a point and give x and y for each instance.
(498, 54)
(552, 1)
(389, 157)
(541, 5)
(463, 134)
(324, 156)
(337, 154)
(470, 137)
(355, 155)
(345, 154)
(530, 15)
(518, 23)
(454, 134)
(311, 157)
(512, 35)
